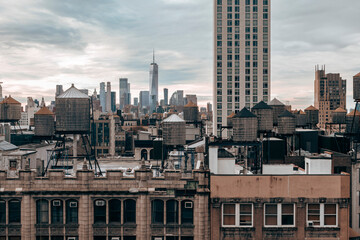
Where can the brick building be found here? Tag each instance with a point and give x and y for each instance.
(280, 207)
(112, 207)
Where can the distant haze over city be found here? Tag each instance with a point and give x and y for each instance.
(45, 43)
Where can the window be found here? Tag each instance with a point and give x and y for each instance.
(2, 211)
(99, 211)
(186, 212)
(129, 211)
(157, 211)
(71, 211)
(114, 211)
(42, 211)
(279, 215)
(322, 215)
(239, 215)
(172, 210)
(56, 211)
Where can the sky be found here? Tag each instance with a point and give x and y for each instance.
(48, 42)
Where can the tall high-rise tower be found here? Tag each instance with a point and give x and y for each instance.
(153, 84)
(330, 94)
(241, 57)
(166, 96)
(108, 97)
(124, 92)
(102, 96)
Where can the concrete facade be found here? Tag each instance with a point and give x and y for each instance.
(242, 57)
(300, 193)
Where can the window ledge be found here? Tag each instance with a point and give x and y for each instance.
(187, 225)
(238, 228)
(280, 229)
(322, 229)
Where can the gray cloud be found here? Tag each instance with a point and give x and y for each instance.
(49, 42)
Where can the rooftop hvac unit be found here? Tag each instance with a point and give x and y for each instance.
(73, 204)
(56, 203)
(99, 203)
(188, 205)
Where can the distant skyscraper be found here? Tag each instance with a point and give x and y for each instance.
(102, 96)
(177, 98)
(108, 97)
(136, 101)
(128, 96)
(59, 90)
(242, 57)
(124, 92)
(166, 96)
(153, 84)
(330, 94)
(190, 97)
(144, 99)
(113, 101)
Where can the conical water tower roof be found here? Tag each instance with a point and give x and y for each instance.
(261, 105)
(44, 111)
(286, 113)
(276, 102)
(245, 113)
(174, 118)
(73, 92)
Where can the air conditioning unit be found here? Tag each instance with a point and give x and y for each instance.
(71, 238)
(158, 238)
(99, 203)
(188, 205)
(73, 204)
(56, 203)
(310, 223)
(115, 238)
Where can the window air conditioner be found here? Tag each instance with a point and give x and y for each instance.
(71, 238)
(158, 238)
(188, 205)
(73, 204)
(56, 203)
(115, 238)
(310, 223)
(99, 203)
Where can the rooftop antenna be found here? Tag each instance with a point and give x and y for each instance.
(153, 56)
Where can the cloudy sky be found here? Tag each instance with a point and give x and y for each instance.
(48, 42)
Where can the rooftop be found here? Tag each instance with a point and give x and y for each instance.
(73, 92)
(174, 118)
(276, 102)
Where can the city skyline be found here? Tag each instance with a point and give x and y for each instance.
(58, 43)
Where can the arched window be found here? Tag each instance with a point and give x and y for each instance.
(129, 211)
(2, 211)
(42, 211)
(57, 211)
(144, 154)
(114, 211)
(157, 211)
(99, 211)
(172, 211)
(187, 212)
(72, 211)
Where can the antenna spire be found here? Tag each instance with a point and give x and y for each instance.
(153, 56)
